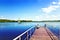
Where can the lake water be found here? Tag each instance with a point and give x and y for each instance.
(8, 31)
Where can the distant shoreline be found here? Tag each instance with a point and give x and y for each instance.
(6, 20)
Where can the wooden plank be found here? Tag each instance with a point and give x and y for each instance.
(52, 36)
(40, 34)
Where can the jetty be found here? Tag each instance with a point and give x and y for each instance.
(43, 33)
(37, 33)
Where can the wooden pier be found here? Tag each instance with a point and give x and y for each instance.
(43, 33)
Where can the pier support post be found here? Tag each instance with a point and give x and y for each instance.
(27, 35)
(20, 38)
(59, 34)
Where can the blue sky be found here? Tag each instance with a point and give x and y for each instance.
(30, 9)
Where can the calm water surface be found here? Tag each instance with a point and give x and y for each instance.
(8, 31)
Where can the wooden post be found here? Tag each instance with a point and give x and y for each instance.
(27, 35)
(30, 33)
(19, 38)
(59, 34)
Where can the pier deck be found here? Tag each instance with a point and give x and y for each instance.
(43, 34)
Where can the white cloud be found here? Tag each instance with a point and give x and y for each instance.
(59, 3)
(2, 17)
(47, 17)
(54, 2)
(51, 7)
(46, 10)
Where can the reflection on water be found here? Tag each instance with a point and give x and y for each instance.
(8, 31)
(11, 30)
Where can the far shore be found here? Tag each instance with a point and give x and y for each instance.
(6, 20)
